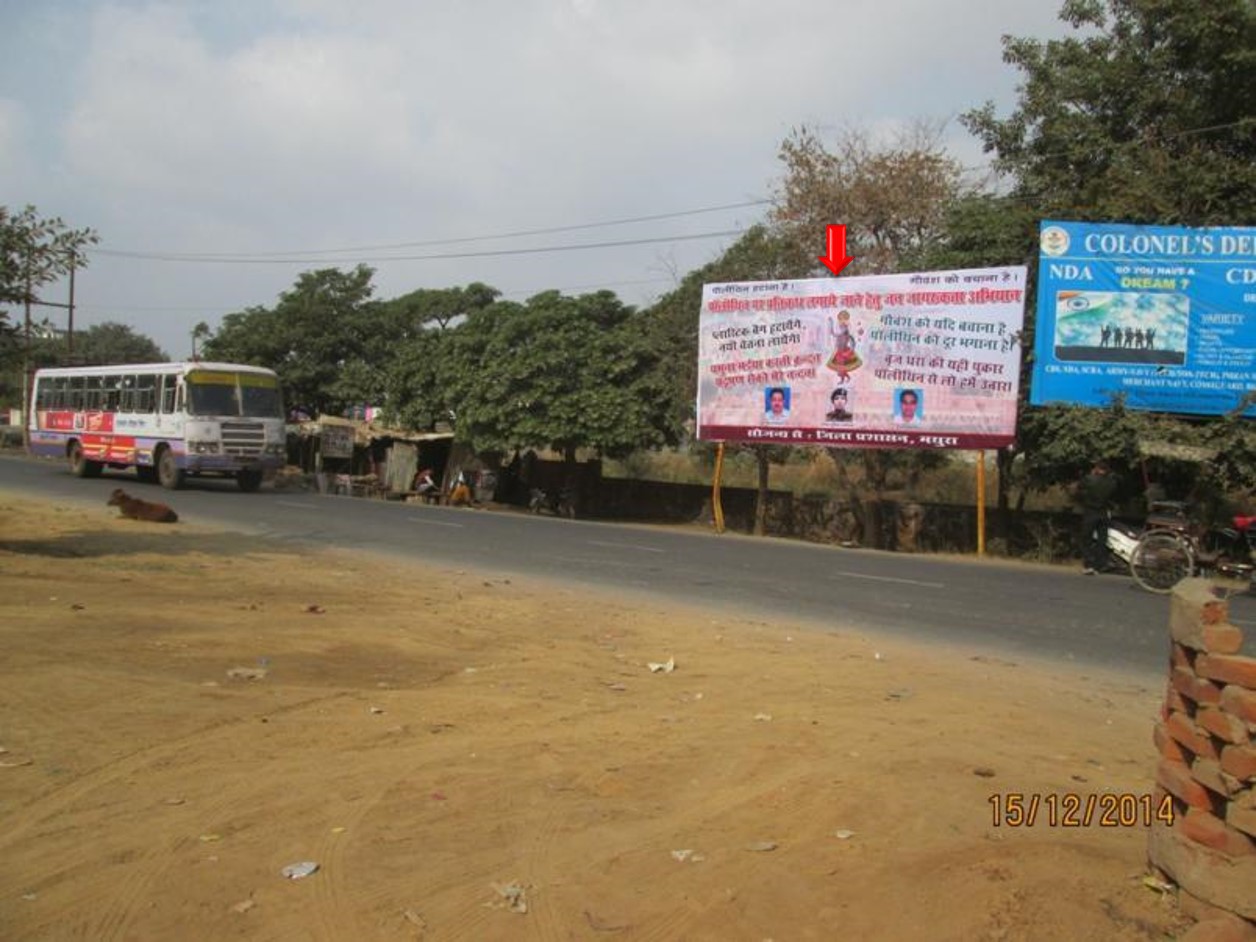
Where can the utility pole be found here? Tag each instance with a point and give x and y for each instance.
(27, 374)
(28, 370)
(69, 348)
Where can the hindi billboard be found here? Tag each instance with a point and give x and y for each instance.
(1162, 316)
(926, 360)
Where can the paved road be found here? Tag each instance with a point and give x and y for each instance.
(1016, 609)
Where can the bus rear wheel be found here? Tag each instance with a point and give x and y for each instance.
(169, 474)
(249, 480)
(80, 465)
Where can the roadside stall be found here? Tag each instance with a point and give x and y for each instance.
(364, 459)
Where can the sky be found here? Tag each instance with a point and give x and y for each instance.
(272, 137)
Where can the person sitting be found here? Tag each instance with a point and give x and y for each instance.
(460, 495)
(426, 485)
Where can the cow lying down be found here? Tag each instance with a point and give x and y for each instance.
(137, 509)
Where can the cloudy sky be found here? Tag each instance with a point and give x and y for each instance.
(277, 136)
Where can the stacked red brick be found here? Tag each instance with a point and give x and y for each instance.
(1207, 743)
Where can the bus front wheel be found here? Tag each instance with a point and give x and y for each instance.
(249, 480)
(80, 465)
(169, 474)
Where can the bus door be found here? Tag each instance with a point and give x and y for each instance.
(169, 402)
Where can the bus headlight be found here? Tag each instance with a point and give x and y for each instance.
(274, 448)
(203, 448)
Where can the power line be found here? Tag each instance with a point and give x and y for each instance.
(261, 256)
(488, 253)
(1116, 145)
(315, 256)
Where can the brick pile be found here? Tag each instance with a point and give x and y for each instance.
(1207, 743)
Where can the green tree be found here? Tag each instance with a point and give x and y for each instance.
(414, 391)
(1144, 117)
(426, 308)
(559, 371)
(115, 343)
(316, 338)
(34, 252)
(418, 330)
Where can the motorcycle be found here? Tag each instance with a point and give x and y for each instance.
(560, 503)
(1171, 547)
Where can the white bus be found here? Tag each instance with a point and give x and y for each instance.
(166, 420)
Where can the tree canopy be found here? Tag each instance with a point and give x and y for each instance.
(1144, 117)
(892, 196)
(559, 371)
(318, 338)
(111, 342)
(426, 308)
(34, 252)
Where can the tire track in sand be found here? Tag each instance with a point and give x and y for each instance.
(116, 903)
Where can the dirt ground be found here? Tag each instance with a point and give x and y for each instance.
(183, 714)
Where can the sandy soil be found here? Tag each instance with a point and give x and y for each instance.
(433, 738)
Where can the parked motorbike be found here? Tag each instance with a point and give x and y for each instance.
(1172, 547)
(561, 503)
(1230, 550)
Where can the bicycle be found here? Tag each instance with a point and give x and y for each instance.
(1173, 547)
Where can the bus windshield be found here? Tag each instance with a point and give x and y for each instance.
(234, 394)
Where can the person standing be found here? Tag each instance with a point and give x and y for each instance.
(1095, 492)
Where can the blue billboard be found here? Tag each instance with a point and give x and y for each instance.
(1164, 317)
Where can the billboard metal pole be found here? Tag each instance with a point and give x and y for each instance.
(981, 503)
(716, 508)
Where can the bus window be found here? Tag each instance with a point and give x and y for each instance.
(261, 401)
(93, 394)
(112, 388)
(76, 401)
(146, 393)
(126, 394)
(169, 383)
(213, 399)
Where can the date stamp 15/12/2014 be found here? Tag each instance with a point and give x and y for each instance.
(1072, 810)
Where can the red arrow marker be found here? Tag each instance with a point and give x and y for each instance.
(837, 259)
